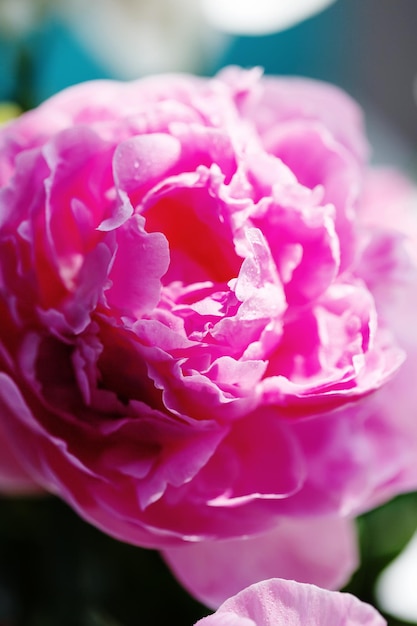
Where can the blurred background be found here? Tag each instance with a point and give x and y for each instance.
(55, 569)
(368, 47)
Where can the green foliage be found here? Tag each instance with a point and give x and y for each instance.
(383, 533)
(57, 569)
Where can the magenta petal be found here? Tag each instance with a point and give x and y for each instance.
(288, 603)
(141, 260)
(143, 160)
(321, 551)
(153, 452)
(239, 474)
(14, 478)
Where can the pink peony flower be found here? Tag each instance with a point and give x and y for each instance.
(205, 300)
(278, 602)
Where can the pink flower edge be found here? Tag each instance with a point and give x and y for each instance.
(278, 602)
(322, 551)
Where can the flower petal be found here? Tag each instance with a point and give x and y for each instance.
(287, 603)
(316, 550)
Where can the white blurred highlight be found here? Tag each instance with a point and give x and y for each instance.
(17, 17)
(135, 37)
(396, 589)
(259, 17)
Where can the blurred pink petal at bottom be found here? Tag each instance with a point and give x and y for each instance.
(320, 550)
(278, 602)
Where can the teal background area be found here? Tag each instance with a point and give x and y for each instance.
(316, 47)
(368, 47)
(44, 62)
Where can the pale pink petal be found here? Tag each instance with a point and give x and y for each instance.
(141, 161)
(316, 550)
(279, 602)
(276, 101)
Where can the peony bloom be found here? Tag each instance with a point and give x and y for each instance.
(278, 602)
(206, 302)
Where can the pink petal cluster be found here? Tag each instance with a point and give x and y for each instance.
(278, 602)
(206, 300)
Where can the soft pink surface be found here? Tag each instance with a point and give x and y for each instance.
(201, 287)
(278, 602)
(319, 550)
